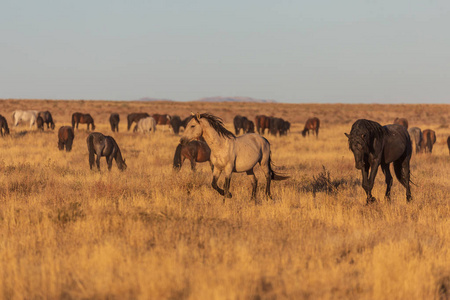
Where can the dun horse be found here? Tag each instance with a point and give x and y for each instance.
(25, 116)
(416, 137)
(374, 145)
(83, 119)
(428, 140)
(311, 124)
(4, 129)
(101, 145)
(65, 138)
(146, 125)
(195, 151)
(114, 120)
(230, 153)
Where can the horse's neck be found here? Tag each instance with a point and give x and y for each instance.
(215, 142)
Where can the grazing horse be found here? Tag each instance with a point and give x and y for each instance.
(162, 120)
(48, 119)
(83, 119)
(374, 145)
(104, 145)
(24, 115)
(135, 117)
(401, 121)
(428, 140)
(243, 123)
(311, 124)
(114, 120)
(4, 129)
(195, 151)
(280, 126)
(262, 123)
(230, 153)
(416, 137)
(65, 138)
(175, 122)
(40, 123)
(146, 125)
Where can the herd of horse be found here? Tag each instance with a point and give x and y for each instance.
(205, 139)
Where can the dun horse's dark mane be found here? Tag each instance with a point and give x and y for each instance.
(217, 124)
(374, 129)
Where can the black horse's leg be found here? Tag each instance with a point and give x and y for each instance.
(192, 164)
(254, 184)
(403, 174)
(388, 180)
(98, 162)
(216, 174)
(366, 184)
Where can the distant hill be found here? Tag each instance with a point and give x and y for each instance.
(235, 99)
(153, 99)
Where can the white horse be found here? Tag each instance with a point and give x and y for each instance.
(146, 125)
(230, 153)
(25, 116)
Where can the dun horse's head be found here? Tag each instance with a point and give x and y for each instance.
(193, 130)
(358, 145)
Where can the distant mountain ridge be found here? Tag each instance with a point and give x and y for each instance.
(235, 99)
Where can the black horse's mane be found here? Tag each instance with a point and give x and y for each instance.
(373, 129)
(217, 124)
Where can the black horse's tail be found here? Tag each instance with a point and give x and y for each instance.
(429, 142)
(273, 174)
(177, 158)
(90, 145)
(73, 121)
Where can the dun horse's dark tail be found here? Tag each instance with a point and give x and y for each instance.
(90, 144)
(177, 158)
(273, 174)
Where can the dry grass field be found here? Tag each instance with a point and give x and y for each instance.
(149, 233)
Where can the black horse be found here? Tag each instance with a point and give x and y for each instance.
(4, 129)
(114, 120)
(102, 145)
(135, 117)
(374, 145)
(47, 118)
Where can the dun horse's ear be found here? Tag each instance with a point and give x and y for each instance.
(347, 135)
(198, 116)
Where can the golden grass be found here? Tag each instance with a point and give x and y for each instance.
(149, 233)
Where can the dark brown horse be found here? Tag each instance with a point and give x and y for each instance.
(40, 123)
(262, 123)
(161, 119)
(102, 145)
(185, 121)
(114, 120)
(135, 117)
(448, 144)
(428, 140)
(65, 138)
(374, 145)
(83, 119)
(175, 122)
(4, 129)
(243, 123)
(195, 151)
(401, 121)
(280, 126)
(311, 124)
(48, 119)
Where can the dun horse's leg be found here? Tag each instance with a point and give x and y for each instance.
(254, 184)
(388, 180)
(216, 174)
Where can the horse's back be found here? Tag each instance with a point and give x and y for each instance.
(397, 143)
(249, 149)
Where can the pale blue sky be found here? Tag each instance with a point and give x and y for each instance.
(323, 51)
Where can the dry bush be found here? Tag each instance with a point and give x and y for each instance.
(152, 233)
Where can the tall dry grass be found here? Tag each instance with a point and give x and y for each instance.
(150, 233)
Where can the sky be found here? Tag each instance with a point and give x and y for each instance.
(321, 51)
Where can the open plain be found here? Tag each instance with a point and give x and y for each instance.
(151, 233)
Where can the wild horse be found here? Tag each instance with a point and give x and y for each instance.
(374, 145)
